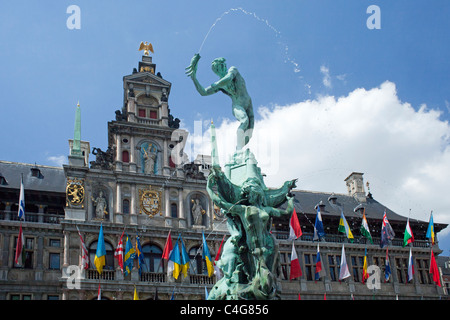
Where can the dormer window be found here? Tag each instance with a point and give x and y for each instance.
(3, 181)
(35, 172)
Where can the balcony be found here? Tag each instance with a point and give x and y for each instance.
(32, 217)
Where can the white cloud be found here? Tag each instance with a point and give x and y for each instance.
(326, 76)
(57, 160)
(403, 153)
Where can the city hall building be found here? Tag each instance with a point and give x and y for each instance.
(141, 186)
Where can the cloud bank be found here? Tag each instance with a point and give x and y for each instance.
(404, 153)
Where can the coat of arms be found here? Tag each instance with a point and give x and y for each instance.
(150, 202)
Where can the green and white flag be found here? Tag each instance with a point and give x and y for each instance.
(409, 237)
(365, 231)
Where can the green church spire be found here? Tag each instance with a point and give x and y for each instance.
(76, 147)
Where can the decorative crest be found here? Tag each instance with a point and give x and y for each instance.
(146, 46)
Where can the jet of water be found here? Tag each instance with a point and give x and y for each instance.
(265, 21)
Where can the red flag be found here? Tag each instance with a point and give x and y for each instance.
(99, 293)
(296, 271)
(216, 268)
(118, 253)
(294, 227)
(19, 248)
(324, 296)
(434, 270)
(168, 247)
(299, 298)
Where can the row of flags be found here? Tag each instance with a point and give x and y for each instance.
(387, 234)
(178, 260)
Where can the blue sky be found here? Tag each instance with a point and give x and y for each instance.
(289, 52)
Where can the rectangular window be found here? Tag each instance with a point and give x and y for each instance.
(401, 265)
(27, 254)
(55, 243)
(309, 266)
(142, 113)
(334, 264)
(423, 271)
(153, 114)
(54, 262)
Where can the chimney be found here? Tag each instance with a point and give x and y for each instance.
(355, 186)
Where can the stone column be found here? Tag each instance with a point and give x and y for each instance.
(167, 203)
(118, 152)
(133, 165)
(118, 208)
(66, 249)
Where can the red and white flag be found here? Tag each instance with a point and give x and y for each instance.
(84, 253)
(296, 271)
(99, 294)
(294, 227)
(216, 268)
(118, 253)
(19, 258)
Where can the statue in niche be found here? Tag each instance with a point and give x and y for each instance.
(197, 212)
(149, 159)
(100, 206)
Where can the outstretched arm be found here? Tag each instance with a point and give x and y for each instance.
(191, 71)
(288, 211)
(219, 200)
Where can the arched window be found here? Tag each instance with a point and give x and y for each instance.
(152, 257)
(126, 206)
(174, 210)
(125, 156)
(109, 256)
(197, 265)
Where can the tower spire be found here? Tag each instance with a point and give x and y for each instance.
(76, 147)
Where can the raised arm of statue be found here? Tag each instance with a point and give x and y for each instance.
(288, 211)
(219, 200)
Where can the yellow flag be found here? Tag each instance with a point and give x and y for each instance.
(136, 297)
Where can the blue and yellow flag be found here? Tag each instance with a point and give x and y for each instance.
(430, 232)
(174, 264)
(100, 255)
(139, 255)
(184, 259)
(129, 256)
(207, 257)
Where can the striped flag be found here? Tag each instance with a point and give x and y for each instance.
(295, 271)
(409, 237)
(294, 227)
(20, 253)
(345, 228)
(84, 252)
(217, 271)
(99, 292)
(21, 211)
(410, 266)
(207, 257)
(118, 253)
(100, 255)
(387, 268)
(430, 231)
(365, 231)
(319, 231)
(365, 274)
(317, 274)
(139, 256)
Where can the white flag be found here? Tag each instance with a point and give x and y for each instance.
(344, 273)
(21, 213)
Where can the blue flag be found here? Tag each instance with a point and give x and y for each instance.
(139, 255)
(430, 231)
(184, 259)
(129, 256)
(174, 263)
(387, 268)
(319, 232)
(100, 255)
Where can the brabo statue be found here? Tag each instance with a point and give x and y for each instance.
(250, 258)
(232, 84)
